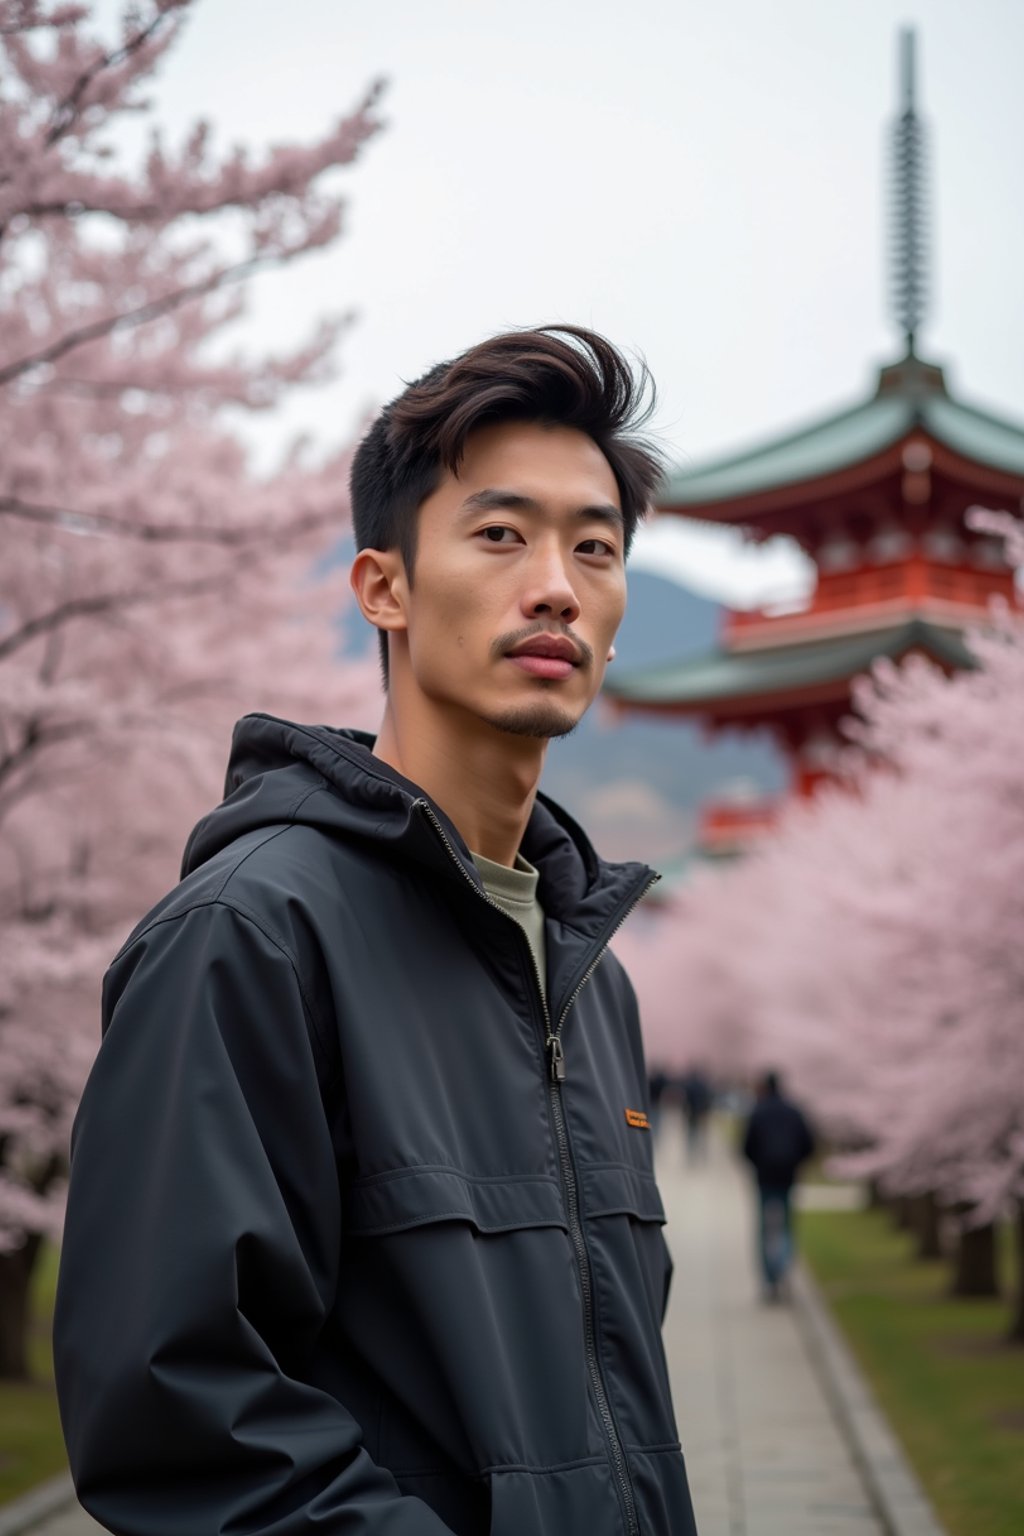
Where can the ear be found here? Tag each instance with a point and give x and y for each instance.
(379, 582)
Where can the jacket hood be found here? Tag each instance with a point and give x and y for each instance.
(328, 778)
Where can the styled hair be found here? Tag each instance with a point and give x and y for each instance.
(558, 375)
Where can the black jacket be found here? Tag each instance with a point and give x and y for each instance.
(777, 1140)
(342, 1254)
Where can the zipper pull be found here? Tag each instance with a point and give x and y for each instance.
(557, 1059)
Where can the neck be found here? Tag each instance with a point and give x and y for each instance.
(485, 780)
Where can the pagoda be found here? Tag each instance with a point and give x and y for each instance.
(876, 496)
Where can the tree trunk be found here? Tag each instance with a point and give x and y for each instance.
(902, 1213)
(1017, 1321)
(15, 1278)
(876, 1200)
(926, 1226)
(975, 1272)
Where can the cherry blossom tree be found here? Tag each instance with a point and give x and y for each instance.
(154, 584)
(707, 1020)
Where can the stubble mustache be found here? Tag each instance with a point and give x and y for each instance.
(516, 637)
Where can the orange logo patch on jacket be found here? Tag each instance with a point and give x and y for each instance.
(637, 1119)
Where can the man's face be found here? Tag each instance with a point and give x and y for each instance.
(519, 582)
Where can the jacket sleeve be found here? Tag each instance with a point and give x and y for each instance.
(201, 1256)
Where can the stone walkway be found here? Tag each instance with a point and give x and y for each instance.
(70, 1522)
(764, 1454)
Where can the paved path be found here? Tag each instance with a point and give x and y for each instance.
(764, 1454)
(70, 1522)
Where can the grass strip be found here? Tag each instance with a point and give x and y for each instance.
(31, 1444)
(951, 1387)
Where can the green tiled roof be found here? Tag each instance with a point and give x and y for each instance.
(727, 675)
(976, 435)
(910, 393)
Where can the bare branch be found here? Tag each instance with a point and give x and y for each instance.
(134, 317)
(67, 111)
(101, 603)
(160, 533)
(38, 736)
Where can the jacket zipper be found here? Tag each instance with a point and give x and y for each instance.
(556, 1077)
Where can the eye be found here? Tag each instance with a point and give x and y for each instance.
(596, 547)
(496, 533)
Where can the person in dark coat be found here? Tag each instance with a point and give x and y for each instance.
(698, 1100)
(658, 1083)
(776, 1141)
(363, 1234)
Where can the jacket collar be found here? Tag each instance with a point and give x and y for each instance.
(276, 767)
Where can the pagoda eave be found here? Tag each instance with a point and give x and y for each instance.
(767, 681)
(754, 709)
(987, 479)
(785, 499)
(770, 511)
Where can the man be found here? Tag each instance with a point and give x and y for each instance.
(777, 1141)
(698, 1100)
(363, 1235)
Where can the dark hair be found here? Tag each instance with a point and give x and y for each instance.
(560, 375)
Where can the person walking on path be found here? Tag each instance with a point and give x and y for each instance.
(658, 1084)
(363, 1233)
(698, 1099)
(776, 1141)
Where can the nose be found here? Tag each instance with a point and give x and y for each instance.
(549, 592)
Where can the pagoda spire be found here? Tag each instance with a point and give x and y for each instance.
(908, 256)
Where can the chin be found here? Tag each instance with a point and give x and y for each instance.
(543, 719)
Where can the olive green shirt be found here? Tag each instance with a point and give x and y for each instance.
(515, 892)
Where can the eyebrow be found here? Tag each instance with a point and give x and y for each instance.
(514, 501)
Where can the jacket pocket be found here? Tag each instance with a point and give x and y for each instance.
(412, 1197)
(561, 1501)
(461, 1293)
(611, 1189)
(625, 1217)
(615, 1190)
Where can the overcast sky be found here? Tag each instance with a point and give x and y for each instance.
(704, 182)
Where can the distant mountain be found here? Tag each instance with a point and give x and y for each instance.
(663, 622)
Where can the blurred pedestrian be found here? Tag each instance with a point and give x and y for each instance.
(698, 1097)
(776, 1141)
(657, 1082)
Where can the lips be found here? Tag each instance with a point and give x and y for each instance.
(559, 646)
(548, 656)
